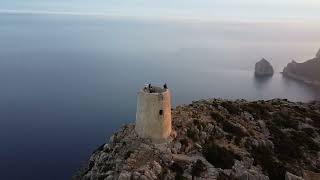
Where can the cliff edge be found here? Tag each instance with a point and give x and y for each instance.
(218, 139)
(307, 72)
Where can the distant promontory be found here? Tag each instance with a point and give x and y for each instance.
(308, 72)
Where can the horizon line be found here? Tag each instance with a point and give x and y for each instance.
(162, 18)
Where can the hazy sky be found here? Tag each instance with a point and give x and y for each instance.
(199, 9)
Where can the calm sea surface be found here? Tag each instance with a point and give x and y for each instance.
(69, 82)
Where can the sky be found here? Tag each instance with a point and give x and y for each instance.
(256, 10)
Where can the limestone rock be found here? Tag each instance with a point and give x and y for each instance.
(309, 175)
(239, 171)
(248, 141)
(248, 116)
(318, 54)
(110, 177)
(124, 175)
(290, 176)
(263, 68)
(176, 147)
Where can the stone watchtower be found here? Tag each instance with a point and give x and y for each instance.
(153, 118)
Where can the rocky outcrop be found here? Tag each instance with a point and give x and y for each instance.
(263, 68)
(307, 72)
(290, 176)
(318, 54)
(218, 139)
(308, 175)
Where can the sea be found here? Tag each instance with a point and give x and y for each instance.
(69, 81)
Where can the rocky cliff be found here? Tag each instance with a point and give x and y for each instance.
(308, 72)
(218, 139)
(318, 54)
(263, 68)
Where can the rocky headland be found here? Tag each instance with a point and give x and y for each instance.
(218, 139)
(263, 68)
(307, 72)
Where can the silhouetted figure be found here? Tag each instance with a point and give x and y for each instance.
(165, 86)
(151, 89)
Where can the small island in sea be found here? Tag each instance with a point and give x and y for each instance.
(212, 139)
(263, 68)
(307, 72)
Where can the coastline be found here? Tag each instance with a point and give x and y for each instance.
(305, 80)
(306, 72)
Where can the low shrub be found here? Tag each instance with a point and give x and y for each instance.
(217, 116)
(232, 109)
(220, 157)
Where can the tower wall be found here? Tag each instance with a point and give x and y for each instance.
(153, 117)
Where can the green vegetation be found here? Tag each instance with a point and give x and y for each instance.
(217, 116)
(232, 109)
(198, 168)
(259, 111)
(220, 157)
(192, 134)
(233, 129)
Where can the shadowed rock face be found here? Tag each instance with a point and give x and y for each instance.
(263, 68)
(307, 72)
(218, 139)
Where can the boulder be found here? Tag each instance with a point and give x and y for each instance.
(318, 54)
(263, 68)
(124, 175)
(290, 176)
(240, 172)
(309, 175)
